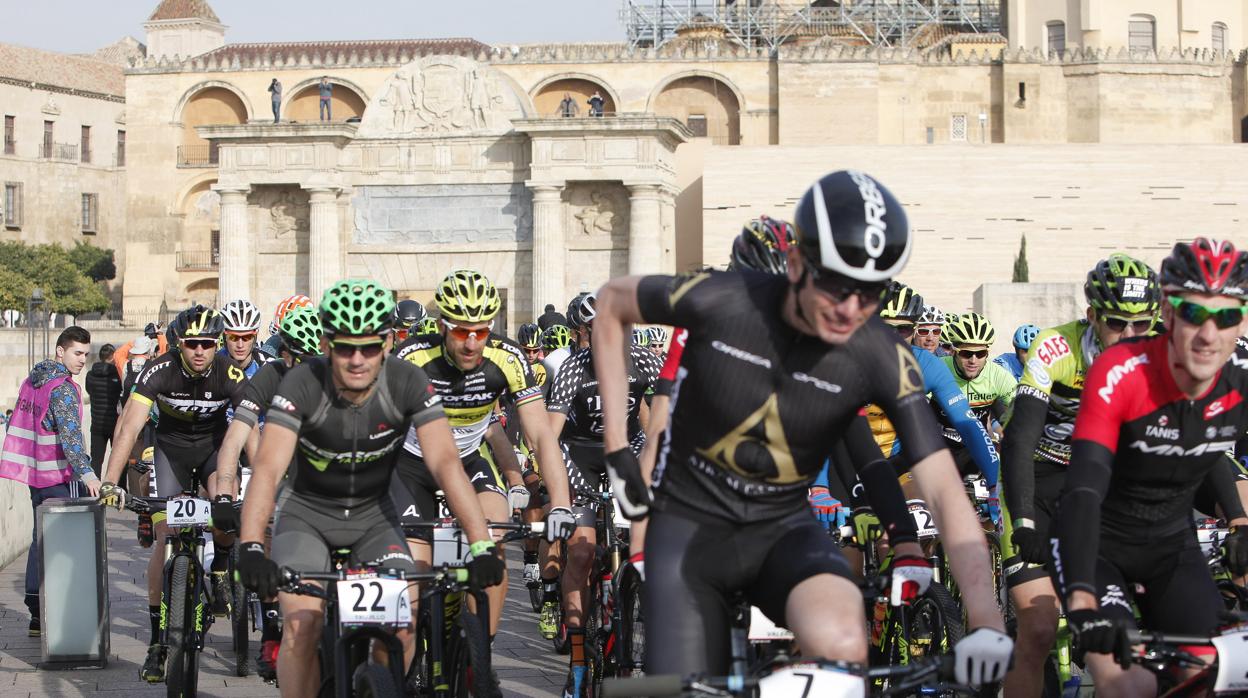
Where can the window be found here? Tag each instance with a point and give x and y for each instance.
(1218, 36)
(12, 204)
(1057, 36)
(697, 125)
(957, 128)
(47, 139)
(121, 148)
(86, 144)
(1142, 33)
(90, 212)
(10, 135)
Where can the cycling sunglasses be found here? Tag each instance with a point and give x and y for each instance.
(463, 334)
(906, 330)
(968, 354)
(840, 289)
(1119, 324)
(928, 331)
(346, 350)
(232, 337)
(1196, 314)
(200, 343)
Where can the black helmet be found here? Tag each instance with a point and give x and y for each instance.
(901, 302)
(529, 336)
(763, 245)
(581, 310)
(848, 224)
(1122, 284)
(198, 321)
(1206, 266)
(408, 313)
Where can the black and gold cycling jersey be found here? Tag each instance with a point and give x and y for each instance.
(469, 397)
(192, 406)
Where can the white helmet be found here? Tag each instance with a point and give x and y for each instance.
(932, 316)
(241, 316)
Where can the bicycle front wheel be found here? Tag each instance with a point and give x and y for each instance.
(473, 675)
(238, 619)
(374, 681)
(182, 669)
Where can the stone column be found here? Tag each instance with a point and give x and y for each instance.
(234, 266)
(667, 213)
(645, 248)
(549, 247)
(324, 244)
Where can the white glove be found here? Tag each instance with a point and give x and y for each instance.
(911, 576)
(982, 657)
(560, 524)
(518, 497)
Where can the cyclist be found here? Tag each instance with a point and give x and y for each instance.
(300, 333)
(1159, 414)
(557, 341)
(777, 367)
(927, 330)
(270, 345)
(641, 338)
(1123, 297)
(192, 387)
(1024, 335)
(241, 320)
(576, 415)
(529, 337)
(988, 387)
(407, 315)
(427, 326)
(471, 371)
(658, 340)
(341, 421)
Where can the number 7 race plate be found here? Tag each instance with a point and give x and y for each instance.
(373, 601)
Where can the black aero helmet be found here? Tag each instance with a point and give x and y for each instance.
(529, 336)
(848, 224)
(763, 245)
(1206, 266)
(408, 313)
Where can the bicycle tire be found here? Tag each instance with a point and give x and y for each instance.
(593, 640)
(632, 632)
(182, 665)
(478, 680)
(999, 586)
(939, 614)
(238, 619)
(373, 681)
(535, 598)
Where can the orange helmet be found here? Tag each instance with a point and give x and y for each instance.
(295, 301)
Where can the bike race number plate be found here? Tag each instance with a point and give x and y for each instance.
(370, 600)
(1232, 663)
(762, 629)
(811, 680)
(187, 511)
(923, 520)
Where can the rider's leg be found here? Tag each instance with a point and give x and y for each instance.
(582, 547)
(825, 613)
(298, 671)
(1036, 610)
(1112, 681)
(494, 506)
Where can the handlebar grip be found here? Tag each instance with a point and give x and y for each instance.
(662, 685)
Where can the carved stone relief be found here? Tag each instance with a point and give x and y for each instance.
(597, 209)
(284, 213)
(438, 95)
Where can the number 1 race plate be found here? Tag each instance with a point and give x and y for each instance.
(370, 600)
(187, 511)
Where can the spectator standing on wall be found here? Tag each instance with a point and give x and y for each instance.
(568, 107)
(275, 89)
(327, 93)
(595, 104)
(104, 389)
(43, 446)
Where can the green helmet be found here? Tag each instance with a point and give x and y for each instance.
(300, 330)
(1123, 284)
(467, 296)
(357, 306)
(901, 303)
(556, 337)
(428, 325)
(641, 338)
(970, 328)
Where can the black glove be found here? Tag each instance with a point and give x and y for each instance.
(1097, 633)
(224, 515)
(257, 572)
(632, 494)
(1235, 546)
(486, 568)
(1032, 546)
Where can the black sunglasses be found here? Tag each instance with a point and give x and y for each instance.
(345, 350)
(839, 289)
(200, 343)
(906, 331)
(1118, 324)
(968, 354)
(1196, 314)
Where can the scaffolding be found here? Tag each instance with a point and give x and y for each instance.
(770, 23)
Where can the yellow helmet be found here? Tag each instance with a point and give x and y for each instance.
(467, 296)
(970, 328)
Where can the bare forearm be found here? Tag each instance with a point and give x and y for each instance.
(504, 455)
(609, 366)
(654, 433)
(259, 506)
(227, 457)
(554, 472)
(127, 432)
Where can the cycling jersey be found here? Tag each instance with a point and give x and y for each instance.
(757, 406)
(554, 360)
(993, 384)
(671, 363)
(259, 393)
(575, 394)
(346, 452)
(469, 397)
(1053, 375)
(1010, 363)
(258, 360)
(192, 407)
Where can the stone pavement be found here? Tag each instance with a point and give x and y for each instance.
(526, 664)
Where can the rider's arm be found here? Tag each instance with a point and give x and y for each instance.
(1022, 432)
(131, 422)
(236, 438)
(504, 454)
(545, 441)
(276, 450)
(1224, 480)
(941, 384)
(655, 426)
(879, 483)
(437, 444)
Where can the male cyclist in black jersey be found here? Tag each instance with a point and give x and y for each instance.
(407, 316)
(1157, 417)
(342, 421)
(192, 386)
(774, 369)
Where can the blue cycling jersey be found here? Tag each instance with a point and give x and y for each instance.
(1010, 363)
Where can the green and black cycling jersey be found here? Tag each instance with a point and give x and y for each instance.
(757, 406)
(259, 392)
(347, 452)
(192, 406)
(575, 394)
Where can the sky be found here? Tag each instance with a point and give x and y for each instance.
(82, 26)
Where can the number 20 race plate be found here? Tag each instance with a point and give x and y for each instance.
(187, 511)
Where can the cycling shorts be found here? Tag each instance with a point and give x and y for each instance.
(696, 570)
(177, 466)
(307, 528)
(1049, 483)
(414, 488)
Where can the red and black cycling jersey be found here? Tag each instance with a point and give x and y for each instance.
(575, 394)
(192, 407)
(1141, 449)
(757, 406)
(671, 364)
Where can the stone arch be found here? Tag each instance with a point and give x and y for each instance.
(209, 103)
(199, 208)
(209, 84)
(302, 100)
(202, 291)
(705, 94)
(548, 92)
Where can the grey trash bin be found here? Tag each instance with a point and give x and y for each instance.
(73, 597)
